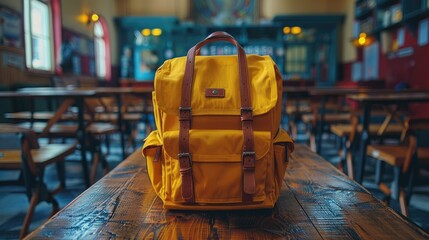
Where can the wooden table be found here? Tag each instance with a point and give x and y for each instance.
(316, 202)
(368, 101)
(143, 92)
(70, 96)
(298, 95)
(326, 92)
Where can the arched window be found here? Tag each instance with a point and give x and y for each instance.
(102, 49)
(38, 35)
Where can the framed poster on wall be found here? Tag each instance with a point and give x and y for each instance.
(225, 12)
(10, 28)
(77, 54)
(371, 61)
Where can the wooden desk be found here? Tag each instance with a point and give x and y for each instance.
(324, 93)
(70, 96)
(117, 92)
(298, 95)
(382, 98)
(317, 202)
(327, 92)
(143, 92)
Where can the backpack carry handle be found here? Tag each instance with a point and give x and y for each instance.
(217, 36)
(246, 115)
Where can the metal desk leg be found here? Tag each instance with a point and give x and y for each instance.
(363, 143)
(81, 136)
(120, 119)
(320, 123)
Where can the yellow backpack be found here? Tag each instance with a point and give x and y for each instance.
(218, 143)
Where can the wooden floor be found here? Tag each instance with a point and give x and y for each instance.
(316, 202)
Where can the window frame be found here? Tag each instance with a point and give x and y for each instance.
(107, 54)
(28, 35)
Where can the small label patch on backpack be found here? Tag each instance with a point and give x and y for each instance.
(215, 92)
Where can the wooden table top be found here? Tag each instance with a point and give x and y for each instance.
(341, 91)
(392, 97)
(95, 90)
(316, 202)
(27, 93)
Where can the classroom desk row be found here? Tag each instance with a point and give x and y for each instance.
(367, 98)
(316, 202)
(77, 96)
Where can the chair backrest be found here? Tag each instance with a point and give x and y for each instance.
(417, 130)
(15, 147)
(10, 150)
(61, 81)
(420, 128)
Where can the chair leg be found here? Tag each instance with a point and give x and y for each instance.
(411, 178)
(379, 171)
(105, 165)
(341, 152)
(107, 142)
(403, 202)
(27, 220)
(293, 128)
(396, 182)
(98, 157)
(61, 173)
(55, 205)
(102, 159)
(312, 138)
(350, 168)
(95, 160)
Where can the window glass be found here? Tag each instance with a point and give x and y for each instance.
(38, 37)
(100, 50)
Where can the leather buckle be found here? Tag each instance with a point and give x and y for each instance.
(185, 113)
(249, 161)
(187, 161)
(246, 113)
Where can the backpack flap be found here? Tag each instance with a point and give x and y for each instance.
(216, 89)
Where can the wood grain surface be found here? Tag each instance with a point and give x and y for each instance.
(317, 202)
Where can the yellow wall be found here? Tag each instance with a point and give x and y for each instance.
(14, 4)
(271, 8)
(72, 10)
(178, 8)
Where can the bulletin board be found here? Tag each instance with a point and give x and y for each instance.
(77, 53)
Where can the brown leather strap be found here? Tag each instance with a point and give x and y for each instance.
(246, 115)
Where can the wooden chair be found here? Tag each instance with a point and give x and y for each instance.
(404, 159)
(348, 135)
(336, 113)
(132, 112)
(297, 104)
(19, 150)
(96, 133)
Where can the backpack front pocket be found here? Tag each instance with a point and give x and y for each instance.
(216, 165)
(283, 146)
(152, 151)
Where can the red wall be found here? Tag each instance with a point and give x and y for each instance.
(413, 69)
